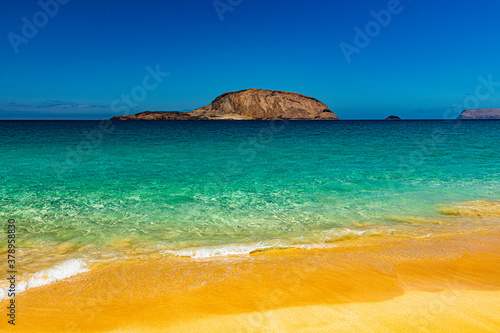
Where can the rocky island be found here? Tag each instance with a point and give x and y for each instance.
(251, 104)
(480, 114)
(392, 118)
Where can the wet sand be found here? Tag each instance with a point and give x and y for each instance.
(448, 283)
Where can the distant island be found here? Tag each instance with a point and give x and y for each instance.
(480, 114)
(392, 118)
(251, 104)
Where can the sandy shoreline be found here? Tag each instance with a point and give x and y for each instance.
(446, 283)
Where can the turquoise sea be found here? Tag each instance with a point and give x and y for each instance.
(95, 191)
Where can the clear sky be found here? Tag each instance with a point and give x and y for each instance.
(86, 57)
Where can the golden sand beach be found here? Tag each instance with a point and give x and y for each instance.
(435, 284)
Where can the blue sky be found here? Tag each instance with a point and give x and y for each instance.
(83, 61)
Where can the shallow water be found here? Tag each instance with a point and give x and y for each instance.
(96, 191)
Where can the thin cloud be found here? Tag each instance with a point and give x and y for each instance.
(60, 104)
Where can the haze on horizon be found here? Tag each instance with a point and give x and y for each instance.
(418, 59)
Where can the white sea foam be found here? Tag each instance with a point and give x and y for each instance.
(241, 250)
(62, 271)
(323, 239)
(202, 253)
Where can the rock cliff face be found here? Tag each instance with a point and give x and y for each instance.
(480, 114)
(266, 105)
(252, 104)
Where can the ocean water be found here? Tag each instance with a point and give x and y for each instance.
(95, 191)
